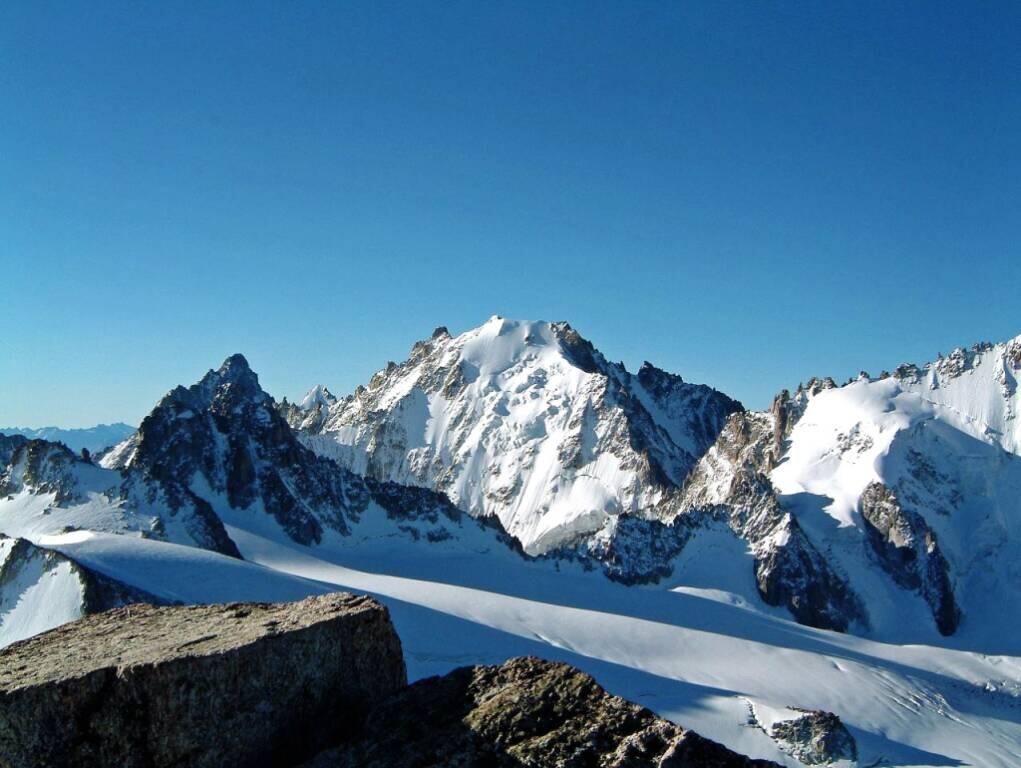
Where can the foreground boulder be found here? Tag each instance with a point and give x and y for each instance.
(527, 712)
(238, 684)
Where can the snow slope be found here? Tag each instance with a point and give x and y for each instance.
(955, 479)
(695, 660)
(903, 489)
(977, 389)
(37, 591)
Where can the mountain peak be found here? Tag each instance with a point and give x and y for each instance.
(234, 371)
(525, 421)
(316, 397)
(235, 367)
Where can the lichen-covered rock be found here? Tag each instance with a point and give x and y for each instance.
(815, 737)
(242, 684)
(525, 713)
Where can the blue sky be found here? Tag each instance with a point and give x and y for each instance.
(744, 193)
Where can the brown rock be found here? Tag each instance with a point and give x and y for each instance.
(525, 713)
(242, 684)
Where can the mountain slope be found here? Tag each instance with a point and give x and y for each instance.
(527, 422)
(42, 588)
(904, 496)
(691, 658)
(206, 452)
(45, 488)
(868, 507)
(976, 389)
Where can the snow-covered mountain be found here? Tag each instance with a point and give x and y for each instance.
(93, 439)
(976, 389)
(853, 507)
(41, 588)
(912, 484)
(312, 411)
(206, 456)
(902, 492)
(526, 422)
(886, 508)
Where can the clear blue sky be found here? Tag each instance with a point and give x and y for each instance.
(744, 193)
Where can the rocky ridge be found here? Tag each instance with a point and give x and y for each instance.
(92, 439)
(525, 713)
(217, 447)
(732, 482)
(54, 490)
(907, 549)
(812, 737)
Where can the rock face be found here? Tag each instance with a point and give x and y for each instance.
(815, 737)
(239, 684)
(525, 713)
(319, 683)
(907, 549)
(732, 481)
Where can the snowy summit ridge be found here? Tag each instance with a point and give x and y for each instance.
(527, 422)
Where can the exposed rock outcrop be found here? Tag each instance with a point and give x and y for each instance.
(907, 549)
(731, 481)
(238, 684)
(633, 550)
(815, 737)
(525, 713)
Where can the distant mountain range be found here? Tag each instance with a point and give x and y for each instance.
(93, 439)
(514, 459)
